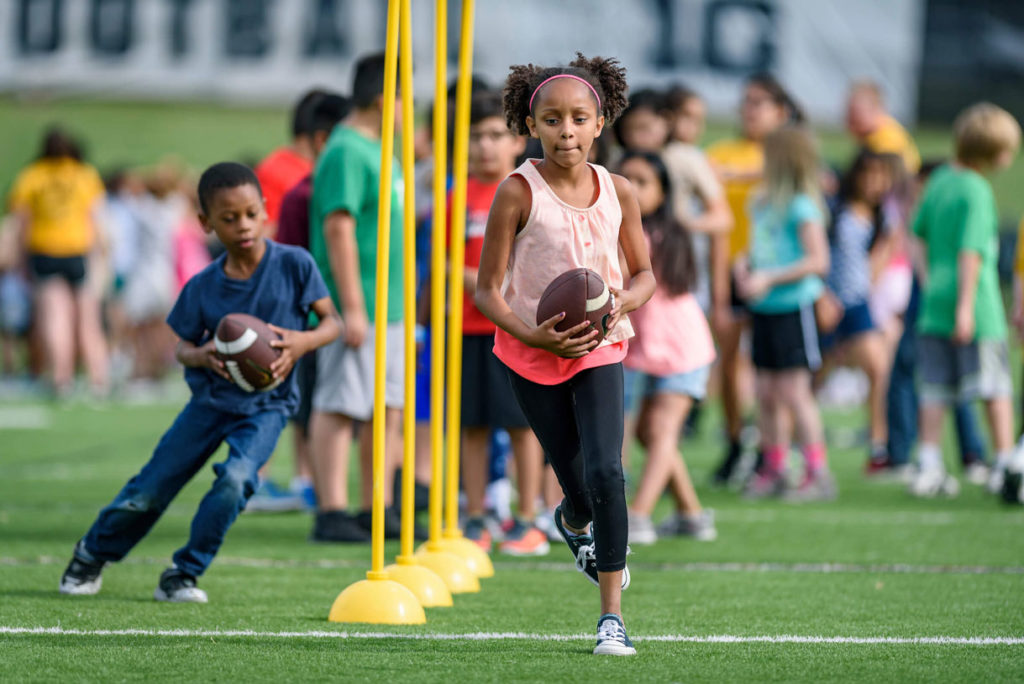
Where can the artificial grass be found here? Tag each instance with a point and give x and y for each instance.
(909, 569)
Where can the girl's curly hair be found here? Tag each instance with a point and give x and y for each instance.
(606, 75)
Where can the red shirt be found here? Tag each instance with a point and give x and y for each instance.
(278, 174)
(293, 221)
(479, 197)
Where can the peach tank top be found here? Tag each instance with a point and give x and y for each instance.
(558, 237)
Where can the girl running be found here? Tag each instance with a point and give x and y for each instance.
(788, 257)
(549, 216)
(669, 360)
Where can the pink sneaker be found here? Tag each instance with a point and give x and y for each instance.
(816, 486)
(765, 484)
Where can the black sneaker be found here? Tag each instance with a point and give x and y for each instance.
(392, 524)
(338, 526)
(612, 638)
(421, 500)
(582, 548)
(178, 587)
(82, 577)
(724, 472)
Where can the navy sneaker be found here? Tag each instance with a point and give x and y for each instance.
(582, 548)
(612, 638)
(178, 587)
(82, 577)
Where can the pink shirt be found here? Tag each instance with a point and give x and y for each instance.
(672, 336)
(558, 237)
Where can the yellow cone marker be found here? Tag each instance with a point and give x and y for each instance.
(452, 540)
(429, 588)
(451, 568)
(379, 599)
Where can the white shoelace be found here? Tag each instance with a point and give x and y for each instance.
(611, 630)
(583, 554)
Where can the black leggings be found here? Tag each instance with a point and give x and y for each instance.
(579, 424)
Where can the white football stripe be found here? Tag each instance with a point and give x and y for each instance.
(521, 636)
(236, 346)
(597, 302)
(236, 375)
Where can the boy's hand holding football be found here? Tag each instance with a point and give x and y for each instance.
(202, 357)
(293, 344)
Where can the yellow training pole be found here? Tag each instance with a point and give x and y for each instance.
(428, 587)
(452, 569)
(378, 599)
(478, 560)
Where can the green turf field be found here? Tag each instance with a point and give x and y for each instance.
(137, 133)
(787, 593)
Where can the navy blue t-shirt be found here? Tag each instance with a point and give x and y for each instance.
(280, 291)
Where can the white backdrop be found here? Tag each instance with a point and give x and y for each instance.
(271, 50)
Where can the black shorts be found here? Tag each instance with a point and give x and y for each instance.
(487, 397)
(736, 303)
(305, 378)
(71, 269)
(785, 341)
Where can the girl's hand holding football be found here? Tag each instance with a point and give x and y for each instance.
(623, 301)
(544, 336)
(292, 345)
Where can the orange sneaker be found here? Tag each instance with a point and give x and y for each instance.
(476, 531)
(525, 540)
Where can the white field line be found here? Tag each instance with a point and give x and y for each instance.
(24, 418)
(810, 568)
(523, 636)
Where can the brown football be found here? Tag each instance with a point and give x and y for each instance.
(243, 344)
(582, 295)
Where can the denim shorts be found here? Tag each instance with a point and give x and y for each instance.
(639, 385)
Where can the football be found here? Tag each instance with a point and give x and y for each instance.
(243, 344)
(582, 295)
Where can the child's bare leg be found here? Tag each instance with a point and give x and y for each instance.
(1000, 423)
(611, 592)
(475, 442)
(55, 309)
(529, 458)
(869, 352)
(682, 489)
(330, 437)
(90, 334)
(664, 420)
(794, 386)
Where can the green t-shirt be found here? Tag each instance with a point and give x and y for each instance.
(958, 213)
(347, 177)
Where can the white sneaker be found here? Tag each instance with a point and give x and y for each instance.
(700, 526)
(932, 482)
(641, 530)
(612, 638)
(994, 483)
(177, 587)
(977, 473)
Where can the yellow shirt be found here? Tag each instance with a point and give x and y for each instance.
(892, 138)
(740, 163)
(58, 196)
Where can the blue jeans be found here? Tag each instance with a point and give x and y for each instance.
(902, 399)
(184, 449)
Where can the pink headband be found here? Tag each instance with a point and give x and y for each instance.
(581, 80)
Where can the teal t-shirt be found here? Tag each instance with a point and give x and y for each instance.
(958, 213)
(347, 177)
(776, 243)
